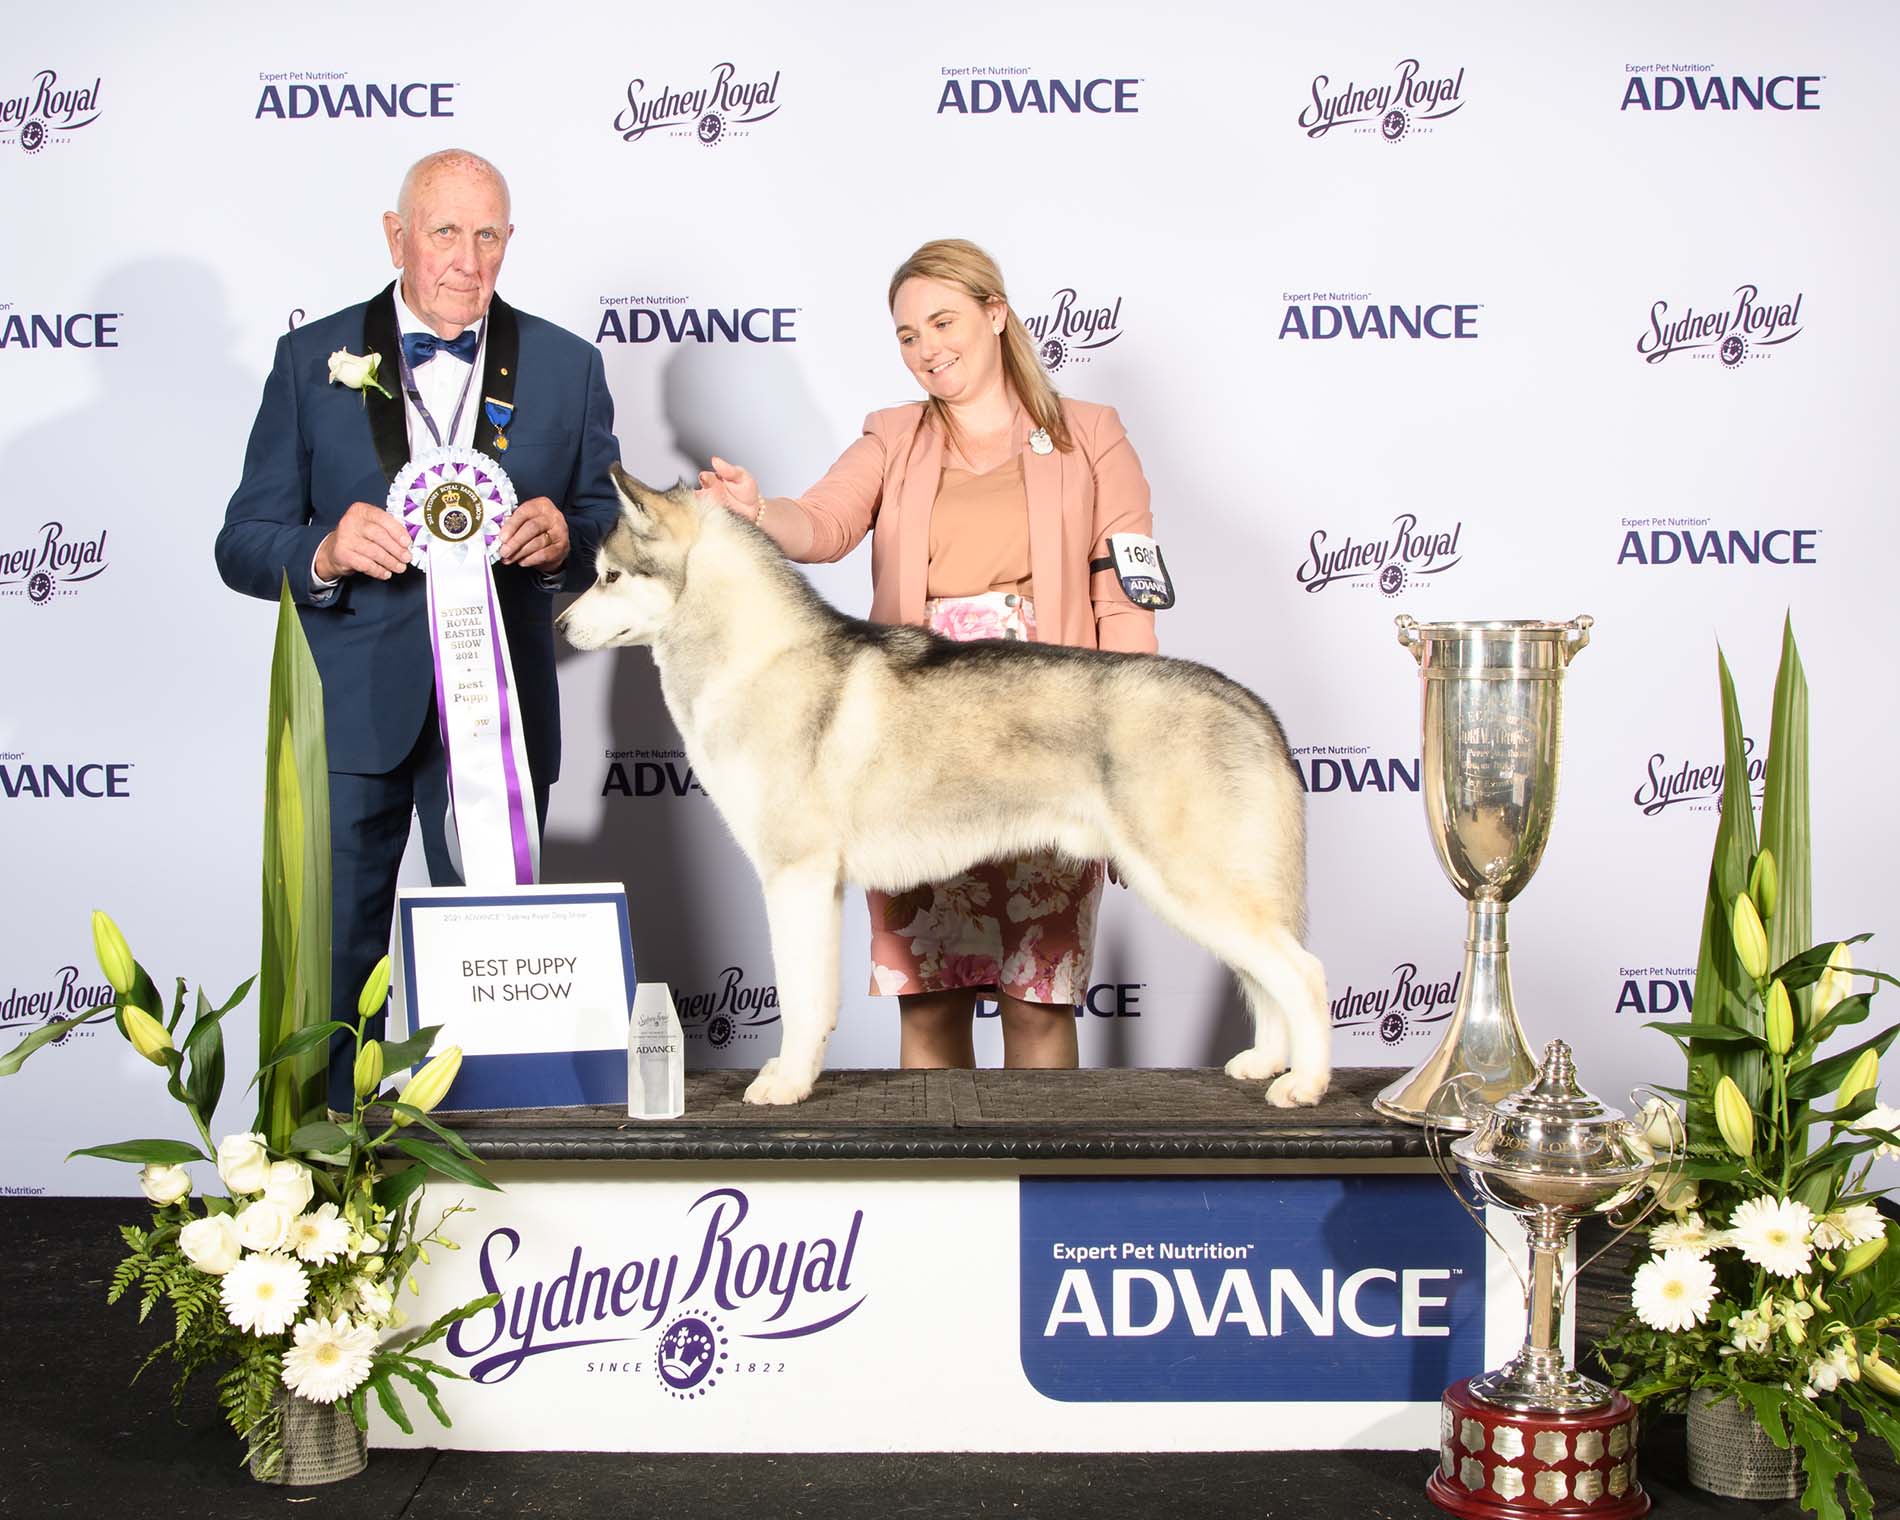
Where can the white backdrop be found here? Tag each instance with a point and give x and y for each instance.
(181, 185)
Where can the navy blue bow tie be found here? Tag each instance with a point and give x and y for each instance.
(418, 348)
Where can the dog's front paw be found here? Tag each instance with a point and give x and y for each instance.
(773, 1085)
(1256, 1064)
(1296, 1091)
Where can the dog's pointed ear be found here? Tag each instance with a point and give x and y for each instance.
(636, 499)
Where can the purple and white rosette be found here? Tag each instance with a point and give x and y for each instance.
(452, 503)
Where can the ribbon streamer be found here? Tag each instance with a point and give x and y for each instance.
(452, 503)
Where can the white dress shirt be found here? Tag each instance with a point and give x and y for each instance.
(440, 383)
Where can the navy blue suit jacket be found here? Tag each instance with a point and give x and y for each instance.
(317, 447)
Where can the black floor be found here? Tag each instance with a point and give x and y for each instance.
(79, 1442)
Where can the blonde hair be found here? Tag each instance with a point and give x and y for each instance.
(960, 263)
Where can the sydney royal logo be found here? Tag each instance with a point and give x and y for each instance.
(728, 1012)
(295, 95)
(47, 112)
(55, 562)
(711, 112)
(734, 1279)
(1398, 1004)
(1070, 331)
(1409, 552)
(1743, 327)
(1669, 783)
(64, 994)
(1405, 105)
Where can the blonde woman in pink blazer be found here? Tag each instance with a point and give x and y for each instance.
(986, 503)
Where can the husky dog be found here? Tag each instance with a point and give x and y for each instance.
(824, 742)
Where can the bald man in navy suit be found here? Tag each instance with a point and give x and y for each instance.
(311, 506)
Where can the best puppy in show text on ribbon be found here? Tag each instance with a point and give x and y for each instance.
(452, 503)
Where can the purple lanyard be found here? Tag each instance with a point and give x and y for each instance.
(414, 393)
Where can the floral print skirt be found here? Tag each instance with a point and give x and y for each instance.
(1025, 927)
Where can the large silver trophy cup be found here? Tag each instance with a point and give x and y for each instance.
(1492, 732)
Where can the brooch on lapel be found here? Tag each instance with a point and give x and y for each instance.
(1039, 442)
(500, 413)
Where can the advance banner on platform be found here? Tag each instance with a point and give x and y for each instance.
(692, 1308)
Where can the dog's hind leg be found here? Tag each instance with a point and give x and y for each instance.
(1297, 982)
(804, 906)
(1267, 1056)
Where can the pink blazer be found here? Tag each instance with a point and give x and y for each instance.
(886, 483)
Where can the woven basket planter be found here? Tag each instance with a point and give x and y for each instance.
(1730, 1454)
(321, 1445)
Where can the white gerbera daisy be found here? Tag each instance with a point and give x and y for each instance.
(263, 1293)
(319, 1236)
(1673, 1291)
(1773, 1233)
(329, 1358)
(1851, 1226)
(1689, 1233)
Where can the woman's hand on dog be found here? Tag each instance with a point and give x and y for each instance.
(732, 486)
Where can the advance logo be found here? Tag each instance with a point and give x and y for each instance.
(1258, 1289)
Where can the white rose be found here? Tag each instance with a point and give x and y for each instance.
(164, 1184)
(211, 1245)
(263, 1226)
(353, 370)
(243, 1163)
(288, 1183)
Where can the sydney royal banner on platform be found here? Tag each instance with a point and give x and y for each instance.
(678, 1307)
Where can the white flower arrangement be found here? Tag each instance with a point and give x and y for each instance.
(1794, 1312)
(289, 1276)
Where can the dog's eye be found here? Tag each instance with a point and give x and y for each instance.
(610, 577)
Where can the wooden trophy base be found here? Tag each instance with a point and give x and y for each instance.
(1506, 1464)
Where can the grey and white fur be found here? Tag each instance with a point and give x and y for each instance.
(839, 750)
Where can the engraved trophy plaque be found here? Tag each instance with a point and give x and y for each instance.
(1492, 729)
(1536, 1437)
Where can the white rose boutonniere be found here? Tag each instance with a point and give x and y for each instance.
(356, 371)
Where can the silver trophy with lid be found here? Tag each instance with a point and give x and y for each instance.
(1536, 1429)
(1491, 734)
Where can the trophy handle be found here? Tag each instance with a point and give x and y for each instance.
(1576, 635)
(1678, 1154)
(1436, 1109)
(1409, 635)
